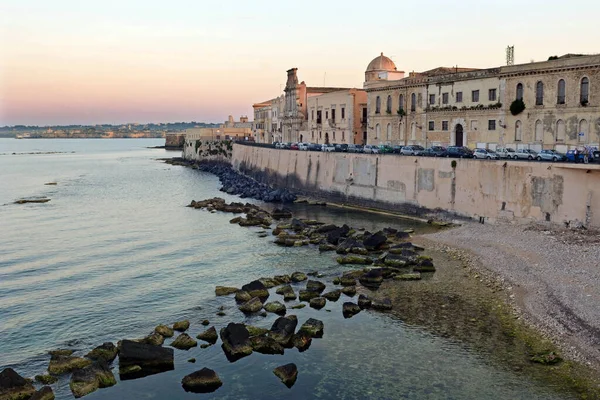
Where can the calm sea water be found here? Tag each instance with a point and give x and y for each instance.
(115, 253)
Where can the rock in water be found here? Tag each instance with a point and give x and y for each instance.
(236, 343)
(284, 289)
(46, 379)
(283, 328)
(349, 291)
(318, 303)
(137, 360)
(287, 373)
(375, 241)
(154, 338)
(256, 331)
(106, 352)
(372, 279)
(266, 345)
(256, 289)
(364, 302)
(164, 331)
(384, 304)
(307, 295)
(14, 386)
(63, 364)
(203, 381)
(334, 295)
(251, 306)
(184, 342)
(275, 307)
(354, 259)
(313, 328)
(61, 352)
(241, 296)
(350, 309)
(181, 326)
(225, 290)
(87, 380)
(209, 335)
(298, 277)
(45, 393)
(315, 286)
(301, 341)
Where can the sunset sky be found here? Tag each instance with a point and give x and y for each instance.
(74, 61)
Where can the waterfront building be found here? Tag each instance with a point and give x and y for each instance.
(228, 130)
(472, 107)
(262, 120)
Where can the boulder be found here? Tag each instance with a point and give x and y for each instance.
(372, 279)
(349, 291)
(283, 328)
(364, 302)
(301, 341)
(312, 327)
(181, 326)
(225, 290)
(14, 386)
(347, 245)
(241, 296)
(209, 335)
(384, 304)
(402, 235)
(347, 280)
(317, 303)
(315, 286)
(281, 213)
(298, 277)
(326, 228)
(424, 266)
(251, 306)
(256, 289)
(137, 360)
(297, 225)
(287, 373)
(203, 381)
(298, 306)
(374, 241)
(184, 342)
(307, 295)
(87, 380)
(284, 289)
(256, 331)
(334, 295)
(106, 352)
(269, 282)
(389, 231)
(63, 364)
(275, 307)
(61, 352)
(326, 247)
(164, 331)
(154, 338)
(287, 296)
(396, 261)
(45, 393)
(354, 259)
(350, 309)
(206, 322)
(236, 341)
(282, 279)
(46, 379)
(265, 345)
(334, 236)
(415, 276)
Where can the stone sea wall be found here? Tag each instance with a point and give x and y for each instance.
(493, 190)
(207, 149)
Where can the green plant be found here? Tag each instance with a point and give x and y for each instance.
(517, 107)
(552, 58)
(401, 112)
(453, 164)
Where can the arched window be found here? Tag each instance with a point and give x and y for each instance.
(583, 128)
(518, 132)
(401, 102)
(560, 130)
(539, 131)
(389, 132)
(378, 105)
(539, 93)
(389, 105)
(560, 99)
(585, 91)
(520, 91)
(413, 102)
(377, 131)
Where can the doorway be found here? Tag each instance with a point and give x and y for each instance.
(459, 136)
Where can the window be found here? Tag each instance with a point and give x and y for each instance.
(432, 99)
(539, 93)
(333, 114)
(431, 125)
(389, 132)
(388, 107)
(561, 131)
(445, 98)
(518, 132)
(326, 114)
(377, 131)
(475, 96)
(492, 95)
(519, 91)
(343, 113)
(334, 135)
(459, 97)
(413, 102)
(343, 136)
(539, 131)
(585, 91)
(561, 92)
(318, 116)
(492, 125)
(444, 125)
(312, 115)
(378, 105)
(401, 102)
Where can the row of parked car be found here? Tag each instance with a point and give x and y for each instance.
(581, 155)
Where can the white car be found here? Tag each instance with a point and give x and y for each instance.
(371, 149)
(303, 146)
(485, 154)
(506, 152)
(328, 148)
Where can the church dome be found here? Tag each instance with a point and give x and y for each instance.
(381, 63)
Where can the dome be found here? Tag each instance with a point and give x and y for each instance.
(381, 63)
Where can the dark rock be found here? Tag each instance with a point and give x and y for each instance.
(298, 277)
(87, 380)
(153, 338)
(275, 307)
(241, 296)
(318, 303)
(256, 331)
(424, 266)
(347, 281)
(326, 228)
(374, 241)
(209, 335)
(297, 225)
(389, 231)
(265, 345)
(373, 278)
(301, 341)
(354, 259)
(283, 328)
(256, 289)
(14, 386)
(184, 342)
(251, 306)
(347, 245)
(164, 331)
(396, 261)
(364, 301)
(236, 341)
(384, 304)
(45, 393)
(281, 213)
(282, 279)
(61, 352)
(334, 295)
(298, 306)
(269, 282)
(312, 327)
(225, 290)
(63, 364)
(181, 326)
(284, 289)
(326, 247)
(203, 381)
(287, 373)
(349, 291)
(307, 295)
(402, 235)
(334, 236)
(137, 360)
(46, 379)
(106, 352)
(315, 286)
(206, 322)
(192, 360)
(350, 309)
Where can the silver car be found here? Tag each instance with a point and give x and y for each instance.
(485, 154)
(328, 147)
(550, 155)
(414, 150)
(372, 149)
(526, 154)
(506, 152)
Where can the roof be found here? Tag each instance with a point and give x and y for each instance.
(381, 63)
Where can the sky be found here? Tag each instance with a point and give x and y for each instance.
(92, 62)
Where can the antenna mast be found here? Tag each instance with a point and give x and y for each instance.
(510, 55)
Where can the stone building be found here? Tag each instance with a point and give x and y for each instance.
(471, 107)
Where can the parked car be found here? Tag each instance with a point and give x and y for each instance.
(384, 148)
(506, 152)
(412, 150)
(459, 152)
(485, 154)
(328, 148)
(355, 148)
(342, 148)
(434, 151)
(294, 146)
(303, 146)
(314, 147)
(526, 154)
(576, 158)
(396, 149)
(277, 145)
(371, 149)
(550, 155)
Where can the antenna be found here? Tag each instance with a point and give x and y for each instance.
(510, 55)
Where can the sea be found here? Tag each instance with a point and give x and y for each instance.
(116, 252)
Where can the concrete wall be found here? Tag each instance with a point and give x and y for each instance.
(496, 190)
